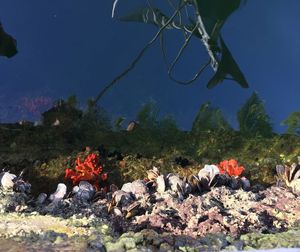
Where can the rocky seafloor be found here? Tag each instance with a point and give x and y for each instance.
(142, 217)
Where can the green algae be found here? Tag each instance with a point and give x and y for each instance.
(289, 239)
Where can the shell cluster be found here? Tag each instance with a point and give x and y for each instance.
(132, 198)
(84, 192)
(207, 177)
(290, 175)
(10, 181)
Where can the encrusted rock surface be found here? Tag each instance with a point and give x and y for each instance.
(219, 219)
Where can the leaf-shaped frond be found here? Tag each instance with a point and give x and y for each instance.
(227, 66)
(217, 9)
(8, 45)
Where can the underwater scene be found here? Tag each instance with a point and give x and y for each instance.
(149, 125)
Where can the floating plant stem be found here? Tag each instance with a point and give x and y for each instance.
(138, 57)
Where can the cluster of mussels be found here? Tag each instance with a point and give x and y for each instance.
(134, 197)
(11, 181)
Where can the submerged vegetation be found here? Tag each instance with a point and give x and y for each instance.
(149, 184)
(253, 119)
(293, 123)
(202, 20)
(45, 150)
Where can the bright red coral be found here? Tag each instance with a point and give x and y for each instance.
(88, 170)
(231, 167)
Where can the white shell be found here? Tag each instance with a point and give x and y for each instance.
(161, 185)
(59, 193)
(117, 211)
(126, 187)
(6, 180)
(295, 185)
(75, 189)
(212, 170)
(56, 123)
(139, 188)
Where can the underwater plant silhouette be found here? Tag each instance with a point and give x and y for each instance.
(204, 20)
(8, 45)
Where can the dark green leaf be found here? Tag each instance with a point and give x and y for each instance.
(227, 66)
(217, 9)
(214, 13)
(8, 45)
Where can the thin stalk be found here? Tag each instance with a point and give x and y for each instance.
(205, 39)
(138, 57)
